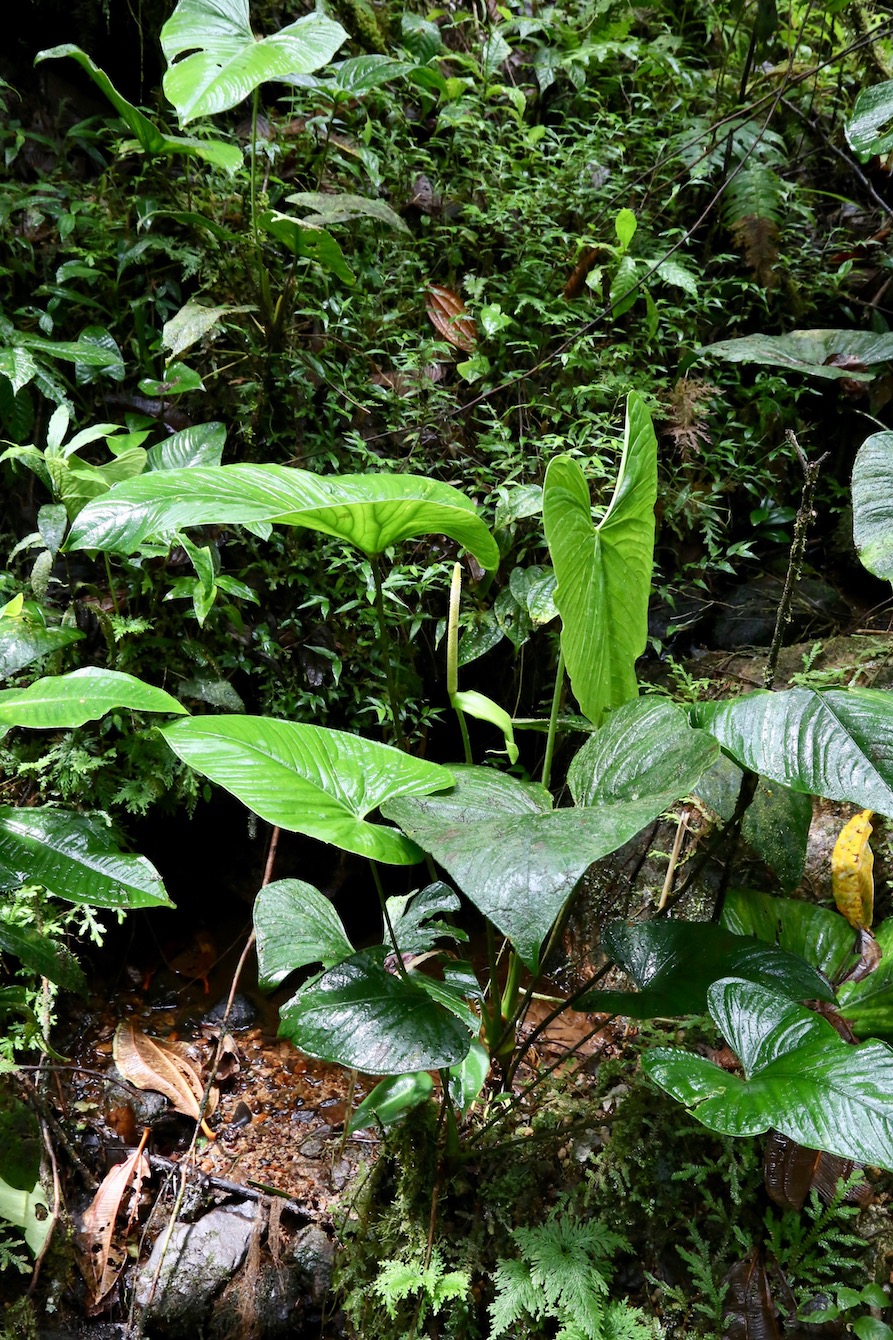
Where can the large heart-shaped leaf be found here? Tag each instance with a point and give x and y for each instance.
(371, 511)
(61, 701)
(322, 208)
(362, 1016)
(227, 61)
(673, 963)
(147, 135)
(816, 934)
(820, 353)
(308, 778)
(800, 1077)
(38, 953)
(647, 747)
(75, 857)
(837, 744)
(296, 925)
(873, 504)
(517, 860)
(604, 571)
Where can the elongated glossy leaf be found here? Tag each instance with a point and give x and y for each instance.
(604, 571)
(226, 61)
(820, 353)
(362, 1016)
(295, 925)
(801, 1077)
(873, 504)
(468, 1078)
(75, 857)
(837, 744)
(392, 1099)
(867, 1005)
(303, 239)
(870, 128)
(370, 511)
(71, 351)
(83, 695)
(673, 963)
(192, 323)
(202, 444)
(148, 136)
(38, 953)
(646, 747)
(309, 779)
(517, 860)
(23, 641)
(816, 934)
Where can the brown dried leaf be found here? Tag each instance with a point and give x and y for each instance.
(449, 317)
(197, 960)
(749, 1306)
(757, 239)
(577, 278)
(99, 1259)
(791, 1172)
(149, 1063)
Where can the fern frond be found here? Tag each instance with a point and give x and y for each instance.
(751, 210)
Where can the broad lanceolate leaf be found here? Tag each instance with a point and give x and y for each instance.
(150, 139)
(296, 925)
(673, 963)
(800, 1077)
(150, 1063)
(870, 128)
(227, 61)
(23, 640)
(307, 240)
(371, 511)
(873, 504)
(324, 208)
(604, 571)
(61, 701)
(202, 444)
(362, 1016)
(820, 353)
(75, 857)
(837, 744)
(28, 1211)
(816, 934)
(38, 953)
(646, 748)
(191, 323)
(516, 859)
(102, 1260)
(392, 1099)
(309, 779)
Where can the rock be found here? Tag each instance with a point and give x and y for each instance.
(199, 1260)
(242, 1014)
(313, 1255)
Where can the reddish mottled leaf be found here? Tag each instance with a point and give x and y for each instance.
(449, 316)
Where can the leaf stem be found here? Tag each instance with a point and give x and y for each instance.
(453, 655)
(386, 917)
(557, 695)
(384, 643)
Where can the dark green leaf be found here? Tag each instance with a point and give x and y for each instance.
(776, 826)
(296, 925)
(20, 1143)
(820, 353)
(391, 1099)
(23, 641)
(645, 748)
(817, 934)
(873, 504)
(38, 953)
(873, 111)
(867, 1006)
(305, 240)
(416, 919)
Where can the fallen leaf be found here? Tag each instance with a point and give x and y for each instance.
(791, 1172)
(101, 1260)
(449, 316)
(852, 878)
(149, 1063)
(749, 1306)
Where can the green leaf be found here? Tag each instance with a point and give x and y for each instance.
(391, 1099)
(371, 511)
(314, 244)
(837, 744)
(17, 365)
(325, 208)
(469, 1077)
(361, 1016)
(674, 963)
(604, 571)
(309, 779)
(647, 747)
(869, 1328)
(873, 504)
(516, 860)
(867, 1005)
(38, 953)
(227, 61)
(865, 129)
(776, 826)
(482, 708)
(149, 138)
(800, 1077)
(295, 925)
(192, 323)
(61, 701)
(819, 353)
(75, 857)
(625, 226)
(202, 444)
(20, 1143)
(24, 640)
(27, 1210)
(72, 351)
(817, 934)
(415, 919)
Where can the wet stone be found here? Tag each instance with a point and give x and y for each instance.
(199, 1260)
(242, 1014)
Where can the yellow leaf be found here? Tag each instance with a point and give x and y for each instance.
(852, 879)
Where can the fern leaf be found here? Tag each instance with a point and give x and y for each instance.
(516, 1297)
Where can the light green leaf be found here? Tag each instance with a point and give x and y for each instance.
(646, 748)
(625, 226)
(371, 511)
(873, 504)
(865, 129)
(837, 744)
(482, 708)
(309, 779)
(227, 61)
(202, 444)
(800, 1077)
(193, 321)
(604, 571)
(149, 138)
(362, 1016)
(679, 276)
(61, 701)
(819, 353)
(391, 1099)
(75, 857)
(28, 1211)
(468, 1079)
(304, 240)
(295, 925)
(25, 640)
(325, 208)
(17, 365)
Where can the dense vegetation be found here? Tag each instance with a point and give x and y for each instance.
(505, 347)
